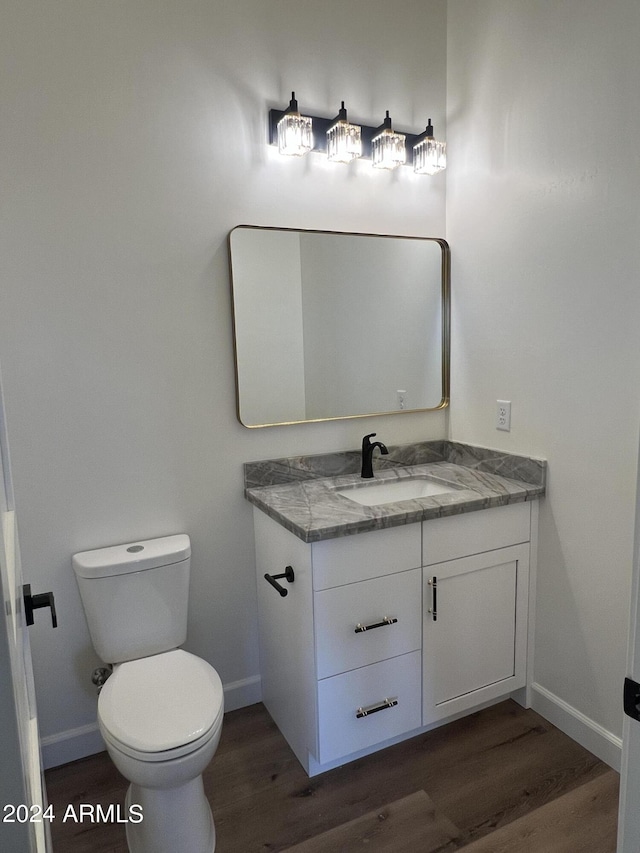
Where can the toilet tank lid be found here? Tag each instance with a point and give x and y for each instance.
(132, 557)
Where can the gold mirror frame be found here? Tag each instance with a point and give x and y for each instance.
(445, 294)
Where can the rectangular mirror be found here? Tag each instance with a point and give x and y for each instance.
(333, 325)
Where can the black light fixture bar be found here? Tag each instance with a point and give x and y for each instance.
(321, 125)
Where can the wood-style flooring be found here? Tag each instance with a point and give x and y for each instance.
(503, 780)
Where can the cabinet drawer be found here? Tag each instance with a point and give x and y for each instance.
(472, 533)
(341, 697)
(367, 555)
(339, 611)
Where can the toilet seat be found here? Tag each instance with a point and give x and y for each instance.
(186, 750)
(161, 707)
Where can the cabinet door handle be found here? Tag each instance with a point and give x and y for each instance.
(433, 610)
(288, 575)
(373, 709)
(386, 620)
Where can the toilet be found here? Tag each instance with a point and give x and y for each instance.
(160, 712)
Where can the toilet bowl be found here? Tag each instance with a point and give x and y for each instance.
(161, 720)
(160, 712)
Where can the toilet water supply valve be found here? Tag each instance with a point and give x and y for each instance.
(100, 675)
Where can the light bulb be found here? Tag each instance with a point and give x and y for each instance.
(344, 140)
(388, 147)
(295, 135)
(429, 155)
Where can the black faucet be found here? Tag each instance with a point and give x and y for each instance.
(367, 455)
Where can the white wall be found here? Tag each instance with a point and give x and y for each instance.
(543, 216)
(133, 140)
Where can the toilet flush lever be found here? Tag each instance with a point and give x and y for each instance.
(34, 602)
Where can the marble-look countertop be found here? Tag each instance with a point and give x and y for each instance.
(312, 510)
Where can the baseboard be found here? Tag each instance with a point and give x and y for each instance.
(239, 694)
(86, 740)
(71, 745)
(594, 737)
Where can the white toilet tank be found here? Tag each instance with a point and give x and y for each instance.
(136, 596)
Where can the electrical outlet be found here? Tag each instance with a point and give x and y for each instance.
(503, 415)
(402, 398)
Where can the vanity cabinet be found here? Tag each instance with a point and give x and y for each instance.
(354, 657)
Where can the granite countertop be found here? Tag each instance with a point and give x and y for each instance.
(300, 496)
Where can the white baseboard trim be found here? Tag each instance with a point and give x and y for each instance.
(86, 740)
(594, 737)
(68, 746)
(239, 694)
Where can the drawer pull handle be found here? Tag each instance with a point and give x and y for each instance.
(373, 709)
(287, 575)
(433, 583)
(386, 620)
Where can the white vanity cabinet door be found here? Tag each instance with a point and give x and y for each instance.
(341, 614)
(475, 649)
(344, 729)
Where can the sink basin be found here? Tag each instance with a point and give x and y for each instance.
(395, 490)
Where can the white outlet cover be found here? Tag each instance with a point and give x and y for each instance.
(503, 415)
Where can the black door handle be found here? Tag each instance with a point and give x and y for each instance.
(631, 699)
(34, 602)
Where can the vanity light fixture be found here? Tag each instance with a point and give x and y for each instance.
(388, 149)
(429, 155)
(344, 140)
(295, 136)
